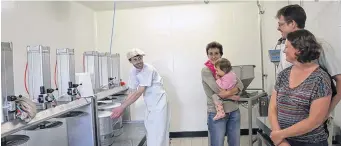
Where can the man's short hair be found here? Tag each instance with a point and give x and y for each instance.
(293, 13)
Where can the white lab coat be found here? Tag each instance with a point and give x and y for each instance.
(283, 64)
(157, 117)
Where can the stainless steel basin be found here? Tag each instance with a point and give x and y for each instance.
(14, 140)
(45, 125)
(72, 114)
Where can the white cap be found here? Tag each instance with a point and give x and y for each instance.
(134, 52)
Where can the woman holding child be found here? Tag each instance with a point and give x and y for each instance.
(220, 83)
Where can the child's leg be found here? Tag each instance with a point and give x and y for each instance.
(219, 107)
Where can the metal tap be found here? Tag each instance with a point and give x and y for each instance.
(113, 82)
(46, 98)
(73, 91)
(10, 108)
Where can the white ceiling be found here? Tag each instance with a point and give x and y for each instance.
(109, 5)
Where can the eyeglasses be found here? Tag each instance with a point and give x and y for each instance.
(280, 24)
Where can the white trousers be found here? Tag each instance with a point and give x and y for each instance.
(157, 123)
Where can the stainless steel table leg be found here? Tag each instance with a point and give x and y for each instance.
(209, 139)
(259, 139)
(250, 121)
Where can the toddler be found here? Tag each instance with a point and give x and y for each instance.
(226, 80)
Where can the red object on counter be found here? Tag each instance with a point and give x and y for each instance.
(122, 83)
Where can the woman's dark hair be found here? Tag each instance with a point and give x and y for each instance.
(224, 64)
(305, 42)
(214, 45)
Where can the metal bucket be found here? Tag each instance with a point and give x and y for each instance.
(105, 127)
(117, 125)
(108, 106)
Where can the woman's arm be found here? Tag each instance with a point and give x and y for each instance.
(273, 112)
(319, 108)
(208, 81)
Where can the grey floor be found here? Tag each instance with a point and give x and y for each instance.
(203, 141)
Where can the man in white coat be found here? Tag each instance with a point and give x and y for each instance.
(144, 79)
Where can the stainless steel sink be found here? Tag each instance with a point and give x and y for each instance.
(45, 125)
(72, 114)
(14, 140)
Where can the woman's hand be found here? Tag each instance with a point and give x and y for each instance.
(284, 143)
(277, 137)
(226, 94)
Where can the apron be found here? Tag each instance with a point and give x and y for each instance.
(157, 117)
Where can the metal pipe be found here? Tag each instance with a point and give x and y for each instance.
(112, 28)
(260, 13)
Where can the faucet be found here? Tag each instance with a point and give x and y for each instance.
(46, 98)
(73, 91)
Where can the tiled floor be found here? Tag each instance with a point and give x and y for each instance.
(203, 141)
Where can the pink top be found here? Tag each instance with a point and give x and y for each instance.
(210, 66)
(228, 81)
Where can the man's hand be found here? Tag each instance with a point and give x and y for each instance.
(277, 137)
(117, 112)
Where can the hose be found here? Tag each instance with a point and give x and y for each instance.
(83, 63)
(25, 79)
(260, 20)
(55, 75)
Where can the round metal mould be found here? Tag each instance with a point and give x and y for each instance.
(14, 140)
(45, 125)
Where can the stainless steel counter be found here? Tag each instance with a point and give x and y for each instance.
(134, 134)
(14, 126)
(264, 124)
(264, 131)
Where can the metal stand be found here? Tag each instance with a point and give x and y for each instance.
(249, 103)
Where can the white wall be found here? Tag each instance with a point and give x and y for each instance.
(54, 24)
(174, 38)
